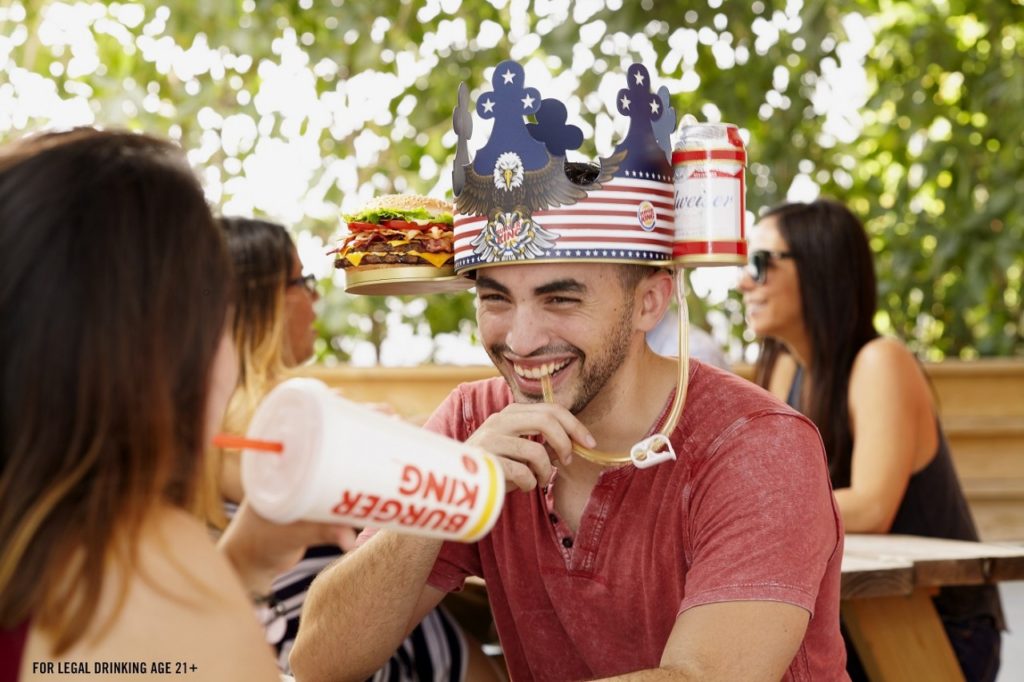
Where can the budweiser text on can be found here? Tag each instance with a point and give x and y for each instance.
(709, 163)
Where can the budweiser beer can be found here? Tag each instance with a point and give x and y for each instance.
(345, 463)
(709, 163)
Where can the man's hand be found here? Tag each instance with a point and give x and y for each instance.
(260, 550)
(527, 462)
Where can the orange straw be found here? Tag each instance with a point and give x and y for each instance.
(231, 442)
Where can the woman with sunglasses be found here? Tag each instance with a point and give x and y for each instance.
(273, 331)
(810, 297)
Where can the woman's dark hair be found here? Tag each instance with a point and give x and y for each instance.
(113, 295)
(838, 298)
(261, 255)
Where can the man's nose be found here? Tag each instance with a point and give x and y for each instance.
(526, 333)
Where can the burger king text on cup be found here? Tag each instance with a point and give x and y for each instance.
(345, 463)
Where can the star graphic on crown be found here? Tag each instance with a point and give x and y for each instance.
(521, 168)
(647, 157)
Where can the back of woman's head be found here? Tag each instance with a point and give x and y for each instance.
(261, 255)
(838, 298)
(113, 296)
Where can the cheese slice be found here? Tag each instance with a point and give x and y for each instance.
(435, 259)
(355, 258)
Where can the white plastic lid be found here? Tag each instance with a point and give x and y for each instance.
(280, 486)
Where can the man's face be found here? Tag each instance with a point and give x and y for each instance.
(572, 322)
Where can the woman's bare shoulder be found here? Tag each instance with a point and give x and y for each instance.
(885, 354)
(182, 605)
(886, 365)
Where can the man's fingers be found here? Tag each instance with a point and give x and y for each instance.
(530, 454)
(518, 474)
(559, 427)
(506, 434)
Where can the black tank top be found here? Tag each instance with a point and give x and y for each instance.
(920, 514)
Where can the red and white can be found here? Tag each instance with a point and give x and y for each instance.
(709, 165)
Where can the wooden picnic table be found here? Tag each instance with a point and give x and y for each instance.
(887, 584)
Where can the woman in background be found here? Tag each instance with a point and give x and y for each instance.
(273, 331)
(810, 297)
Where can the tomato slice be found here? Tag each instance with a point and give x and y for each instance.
(361, 227)
(395, 224)
(402, 225)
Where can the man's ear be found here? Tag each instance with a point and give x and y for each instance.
(653, 294)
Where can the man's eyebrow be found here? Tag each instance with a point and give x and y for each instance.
(561, 286)
(485, 282)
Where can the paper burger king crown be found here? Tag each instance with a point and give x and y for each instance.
(514, 203)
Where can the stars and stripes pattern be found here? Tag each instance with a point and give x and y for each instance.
(604, 226)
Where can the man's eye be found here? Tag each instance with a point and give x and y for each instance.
(492, 298)
(562, 300)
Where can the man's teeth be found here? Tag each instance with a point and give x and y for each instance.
(538, 372)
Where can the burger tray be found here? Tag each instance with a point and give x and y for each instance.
(404, 280)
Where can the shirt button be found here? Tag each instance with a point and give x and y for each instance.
(567, 542)
(553, 518)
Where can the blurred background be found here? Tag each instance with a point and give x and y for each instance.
(301, 110)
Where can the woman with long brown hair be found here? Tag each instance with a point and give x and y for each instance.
(114, 296)
(810, 297)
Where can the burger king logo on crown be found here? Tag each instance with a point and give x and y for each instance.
(517, 201)
(646, 214)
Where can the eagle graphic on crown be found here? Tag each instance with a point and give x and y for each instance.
(515, 203)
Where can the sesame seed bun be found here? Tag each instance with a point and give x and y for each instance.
(410, 202)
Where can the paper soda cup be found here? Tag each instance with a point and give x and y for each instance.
(345, 463)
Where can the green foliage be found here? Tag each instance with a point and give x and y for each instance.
(275, 95)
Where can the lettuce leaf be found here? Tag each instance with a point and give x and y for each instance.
(418, 215)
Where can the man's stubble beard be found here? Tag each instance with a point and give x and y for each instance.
(594, 374)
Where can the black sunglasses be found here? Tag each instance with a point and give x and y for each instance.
(307, 282)
(759, 261)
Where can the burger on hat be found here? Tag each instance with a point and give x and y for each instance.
(398, 229)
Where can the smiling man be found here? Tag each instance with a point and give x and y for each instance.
(722, 564)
